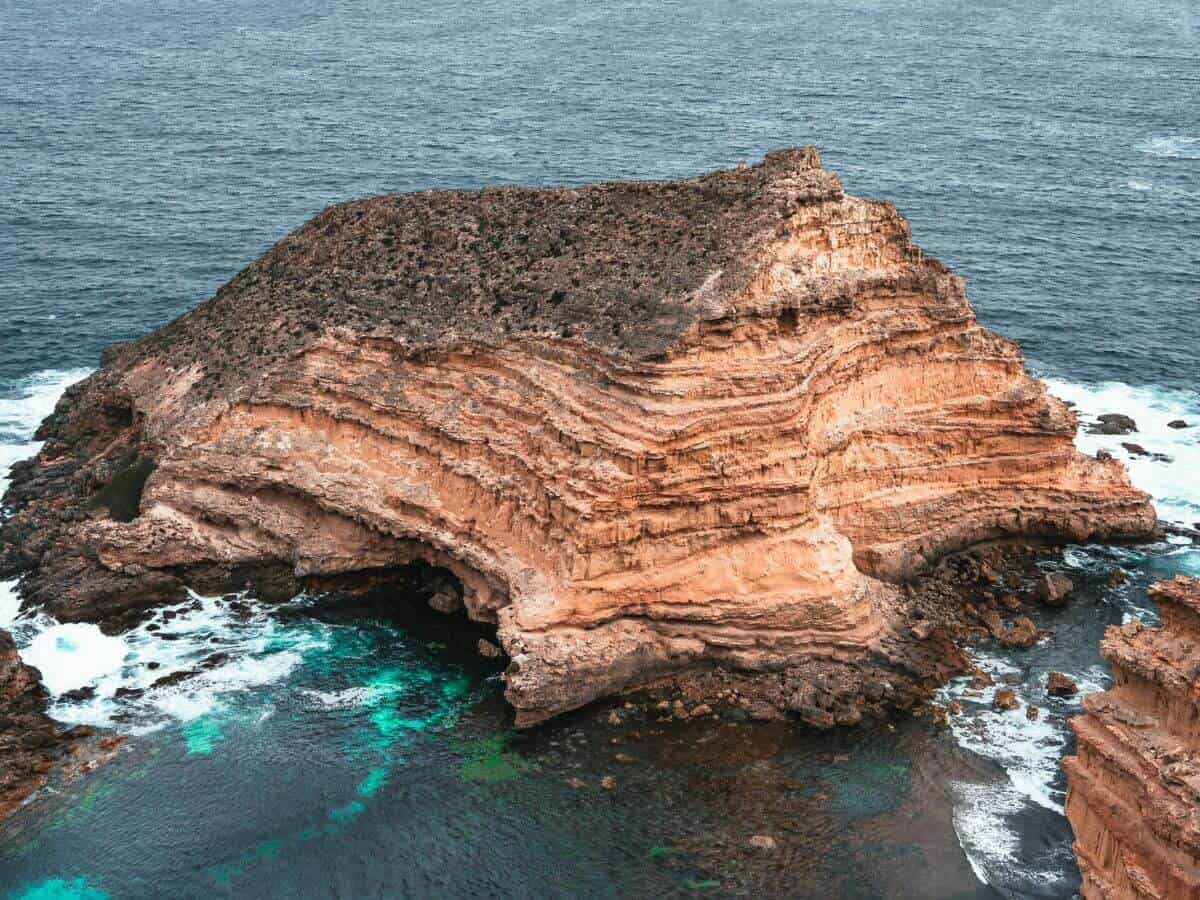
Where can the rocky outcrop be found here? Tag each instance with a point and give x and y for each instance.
(648, 427)
(1134, 783)
(31, 744)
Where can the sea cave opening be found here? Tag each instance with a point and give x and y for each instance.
(428, 602)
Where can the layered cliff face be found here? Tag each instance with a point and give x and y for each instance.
(648, 426)
(1134, 783)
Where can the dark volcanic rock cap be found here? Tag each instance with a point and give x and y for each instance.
(616, 264)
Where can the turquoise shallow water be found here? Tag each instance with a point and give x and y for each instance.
(1049, 152)
(376, 760)
(329, 747)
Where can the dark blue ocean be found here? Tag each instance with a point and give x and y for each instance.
(1049, 152)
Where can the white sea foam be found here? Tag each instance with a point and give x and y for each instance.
(183, 639)
(991, 846)
(363, 695)
(223, 648)
(73, 655)
(1028, 751)
(1138, 184)
(1174, 483)
(27, 404)
(1172, 147)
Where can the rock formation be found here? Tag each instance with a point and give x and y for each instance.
(1134, 783)
(31, 744)
(648, 426)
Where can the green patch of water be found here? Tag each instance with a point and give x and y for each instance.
(61, 889)
(1185, 562)
(374, 780)
(490, 760)
(456, 687)
(401, 705)
(868, 784)
(201, 736)
(659, 850)
(347, 813)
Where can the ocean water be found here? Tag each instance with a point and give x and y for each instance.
(1048, 152)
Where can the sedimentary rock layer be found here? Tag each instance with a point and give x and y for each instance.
(1134, 783)
(648, 425)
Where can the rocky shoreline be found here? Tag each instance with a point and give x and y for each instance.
(33, 747)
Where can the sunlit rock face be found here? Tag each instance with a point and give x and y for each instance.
(1134, 783)
(648, 426)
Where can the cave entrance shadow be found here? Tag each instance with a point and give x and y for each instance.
(423, 600)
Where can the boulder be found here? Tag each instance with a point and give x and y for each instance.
(1113, 423)
(1060, 685)
(446, 601)
(1021, 633)
(487, 649)
(1005, 700)
(923, 629)
(1054, 589)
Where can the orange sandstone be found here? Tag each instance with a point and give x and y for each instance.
(1134, 783)
(648, 426)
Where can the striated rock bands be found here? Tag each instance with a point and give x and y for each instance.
(1134, 783)
(648, 426)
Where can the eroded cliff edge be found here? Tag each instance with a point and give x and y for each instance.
(649, 426)
(1134, 784)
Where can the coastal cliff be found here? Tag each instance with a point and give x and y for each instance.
(648, 427)
(1134, 783)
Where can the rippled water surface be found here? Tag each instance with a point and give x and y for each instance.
(1050, 152)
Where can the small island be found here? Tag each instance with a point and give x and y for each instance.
(724, 427)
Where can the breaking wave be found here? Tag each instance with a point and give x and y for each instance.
(1172, 147)
(181, 663)
(1170, 469)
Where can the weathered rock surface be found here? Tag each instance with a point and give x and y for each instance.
(1055, 589)
(1134, 784)
(1060, 685)
(1113, 423)
(649, 427)
(31, 744)
(1021, 633)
